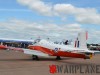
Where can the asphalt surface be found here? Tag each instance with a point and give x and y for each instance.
(17, 63)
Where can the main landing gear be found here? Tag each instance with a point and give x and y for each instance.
(58, 58)
(35, 57)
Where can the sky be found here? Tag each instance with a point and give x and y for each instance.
(56, 19)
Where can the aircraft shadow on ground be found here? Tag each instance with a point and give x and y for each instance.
(66, 61)
(63, 61)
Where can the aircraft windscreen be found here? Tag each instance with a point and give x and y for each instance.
(36, 41)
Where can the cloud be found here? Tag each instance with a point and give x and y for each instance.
(20, 29)
(38, 6)
(82, 15)
(14, 10)
(89, 17)
(14, 28)
(64, 9)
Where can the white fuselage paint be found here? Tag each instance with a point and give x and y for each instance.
(52, 46)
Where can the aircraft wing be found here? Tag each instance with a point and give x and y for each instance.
(35, 52)
(28, 51)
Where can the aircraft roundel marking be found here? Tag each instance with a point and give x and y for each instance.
(56, 49)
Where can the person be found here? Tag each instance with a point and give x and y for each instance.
(66, 42)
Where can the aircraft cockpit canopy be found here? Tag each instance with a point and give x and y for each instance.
(36, 41)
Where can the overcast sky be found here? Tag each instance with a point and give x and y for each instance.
(56, 19)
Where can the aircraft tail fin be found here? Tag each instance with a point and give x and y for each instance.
(80, 41)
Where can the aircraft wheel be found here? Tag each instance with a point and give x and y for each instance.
(35, 57)
(58, 58)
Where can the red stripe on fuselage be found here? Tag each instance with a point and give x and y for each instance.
(58, 53)
(42, 49)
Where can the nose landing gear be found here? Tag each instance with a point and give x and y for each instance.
(35, 57)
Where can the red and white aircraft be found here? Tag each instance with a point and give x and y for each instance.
(46, 48)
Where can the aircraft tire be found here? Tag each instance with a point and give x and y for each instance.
(35, 57)
(58, 58)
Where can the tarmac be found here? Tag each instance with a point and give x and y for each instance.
(17, 63)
